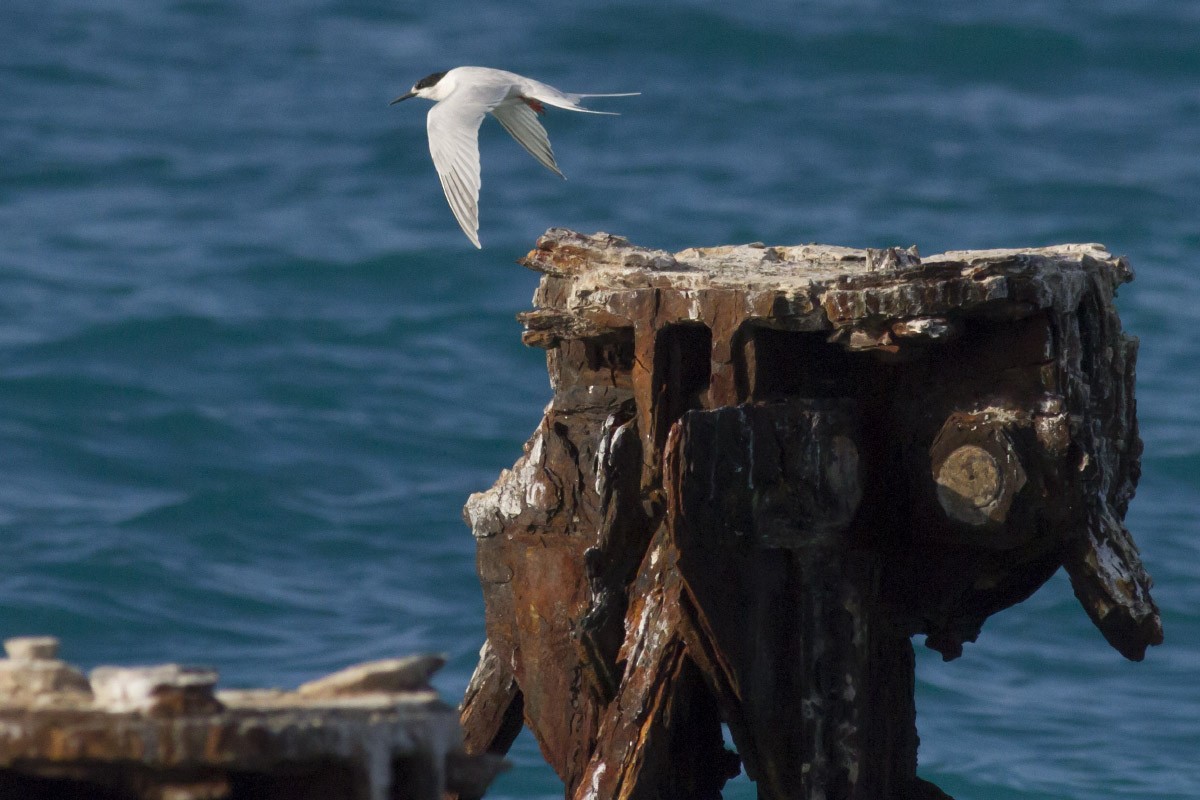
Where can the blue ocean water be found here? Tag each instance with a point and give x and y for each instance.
(250, 369)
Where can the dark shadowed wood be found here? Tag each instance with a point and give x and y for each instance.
(661, 735)
(815, 683)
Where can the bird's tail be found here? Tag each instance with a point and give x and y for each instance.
(612, 94)
(570, 100)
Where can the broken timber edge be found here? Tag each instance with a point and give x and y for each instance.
(763, 470)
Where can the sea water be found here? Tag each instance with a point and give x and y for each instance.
(250, 369)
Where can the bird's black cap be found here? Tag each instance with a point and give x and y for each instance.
(430, 80)
(424, 83)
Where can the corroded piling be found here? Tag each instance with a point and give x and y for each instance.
(376, 731)
(763, 470)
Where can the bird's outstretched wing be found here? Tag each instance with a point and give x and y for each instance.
(521, 121)
(453, 127)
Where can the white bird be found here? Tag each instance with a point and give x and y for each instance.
(462, 96)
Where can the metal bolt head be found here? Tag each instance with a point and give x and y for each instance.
(976, 470)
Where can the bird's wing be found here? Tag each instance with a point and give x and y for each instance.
(521, 121)
(453, 127)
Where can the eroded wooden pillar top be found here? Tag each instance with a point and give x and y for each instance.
(998, 384)
(600, 283)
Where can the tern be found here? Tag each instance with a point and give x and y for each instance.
(462, 96)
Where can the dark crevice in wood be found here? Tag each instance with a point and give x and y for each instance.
(775, 364)
(682, 368)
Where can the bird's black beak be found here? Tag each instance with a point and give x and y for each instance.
(402, 97)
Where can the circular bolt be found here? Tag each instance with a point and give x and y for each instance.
(968, 482)
(977, 474)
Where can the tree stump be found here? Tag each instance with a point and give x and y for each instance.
(763, 470)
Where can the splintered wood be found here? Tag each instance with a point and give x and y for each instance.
(763, 470)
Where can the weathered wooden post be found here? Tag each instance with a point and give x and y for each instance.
(763, 470)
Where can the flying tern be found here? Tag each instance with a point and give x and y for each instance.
(462, 97)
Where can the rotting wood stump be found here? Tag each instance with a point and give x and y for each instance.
(763, 470)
